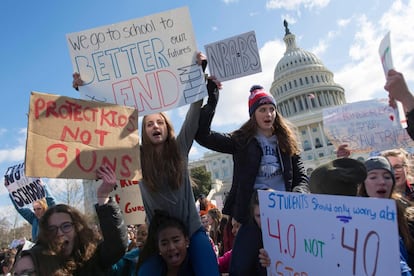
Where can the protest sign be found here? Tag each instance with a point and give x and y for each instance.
(148, 63)
(234, 57)
(385, 54)
(309, 234)
(71, 138)
(387, 64)
(23, 190)
(127, 194)
(365, 126)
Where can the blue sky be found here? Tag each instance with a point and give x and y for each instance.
(344, 34)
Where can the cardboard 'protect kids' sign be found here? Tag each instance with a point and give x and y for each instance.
(71, 138)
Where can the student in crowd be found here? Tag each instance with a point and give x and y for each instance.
(228, 233)
(204, 204)
(71, 247)
(127, 265)
(224, 261)
(398, 91)
(142, 234)
(380, 183)
(166, 181)
(39, 208)
(214, 217)
(265, 152)
(247, 245)
(168, 241)
(400, 163)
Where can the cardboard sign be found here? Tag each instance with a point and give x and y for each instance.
(309, 234)
(365, 126)
(23, 190)
(148, 63)
(234, 57)
(127, 194)
(71, 138)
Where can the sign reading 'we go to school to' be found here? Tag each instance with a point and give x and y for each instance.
(148, 63)
(309, 234)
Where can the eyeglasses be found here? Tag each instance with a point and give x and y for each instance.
(27, 272)
(399, 167)
(65, 227)
(38, 209)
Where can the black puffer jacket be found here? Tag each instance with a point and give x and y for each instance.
(246, 158)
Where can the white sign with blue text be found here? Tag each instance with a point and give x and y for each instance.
(148, 63)
(313, 235)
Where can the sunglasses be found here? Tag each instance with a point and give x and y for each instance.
(65, 227)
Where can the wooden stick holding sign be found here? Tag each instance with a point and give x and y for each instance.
(71, 138)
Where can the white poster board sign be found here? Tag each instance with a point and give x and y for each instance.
(148, 63)
(128, 196)
(312, 235)
(365, 126)
(23, 190)
(234, 57)
(384, 51)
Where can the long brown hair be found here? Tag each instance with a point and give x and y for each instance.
(160, 166)
(86, 240)
(282, 128)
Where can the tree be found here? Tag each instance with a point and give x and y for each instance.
(201, 181)
(70, 192)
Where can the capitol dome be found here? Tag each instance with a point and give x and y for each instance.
(302, 87)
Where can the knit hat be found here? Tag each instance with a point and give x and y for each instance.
(379, 162)
(338, 177)
(258, 96)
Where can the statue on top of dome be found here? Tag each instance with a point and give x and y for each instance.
(285, 23)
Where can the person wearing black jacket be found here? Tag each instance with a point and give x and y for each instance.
(67, 245)
(266, 156)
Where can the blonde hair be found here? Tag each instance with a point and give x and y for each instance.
(42, 202)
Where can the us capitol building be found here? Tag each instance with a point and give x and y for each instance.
(302, 87)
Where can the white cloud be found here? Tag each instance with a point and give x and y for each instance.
(12, 154)
(230, 1)
(295, 4)
(214, 28)
(344, 22)
(363, 77)
(291, 19)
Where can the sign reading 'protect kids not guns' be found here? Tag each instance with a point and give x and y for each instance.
(312, 235)
(148, 63)
(71, 138)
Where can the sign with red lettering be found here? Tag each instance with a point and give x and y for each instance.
(310, 234)
(365, 126)
(148, 63)
(234, 57)
(127, 194)
(23, 190)
(71, 138)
